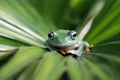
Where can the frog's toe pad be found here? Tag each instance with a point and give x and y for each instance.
(91, 46)
(87, 50)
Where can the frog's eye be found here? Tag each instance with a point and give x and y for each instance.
(51, 35)
(73, 34)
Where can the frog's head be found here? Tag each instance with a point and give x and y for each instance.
(62, 38)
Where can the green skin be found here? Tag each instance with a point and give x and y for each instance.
(62, 40)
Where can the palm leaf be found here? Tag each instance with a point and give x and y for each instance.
(20, 61)
(111, 16)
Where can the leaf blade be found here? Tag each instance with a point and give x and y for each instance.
(9, 70)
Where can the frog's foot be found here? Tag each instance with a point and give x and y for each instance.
(88, 49)
(91, 46)
(65, 52)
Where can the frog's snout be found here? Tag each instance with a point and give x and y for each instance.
(61, 41)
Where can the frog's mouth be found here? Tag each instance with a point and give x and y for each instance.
(66, 49)
(70, 47)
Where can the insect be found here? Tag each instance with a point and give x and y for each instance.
(66, 42)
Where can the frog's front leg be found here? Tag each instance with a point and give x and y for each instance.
(86, 47)
(78, 51)
(83, 46)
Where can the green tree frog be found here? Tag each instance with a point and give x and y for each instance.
(66, 42)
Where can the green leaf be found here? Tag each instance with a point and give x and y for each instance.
(112, 31)
(27, 73)
(78, 70)
(20, 60)
(25, 26)
(73, 68)
(109, 57)
(7, 41)
(115, 39)
(17, 36)
(50, 67)
(86, 25)
(108, 48)
(97, 70)
(108, 19)
(6, 50)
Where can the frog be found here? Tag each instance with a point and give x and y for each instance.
(66, 42)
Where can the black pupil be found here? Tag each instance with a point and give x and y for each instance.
(74, 35)
(51, 35)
